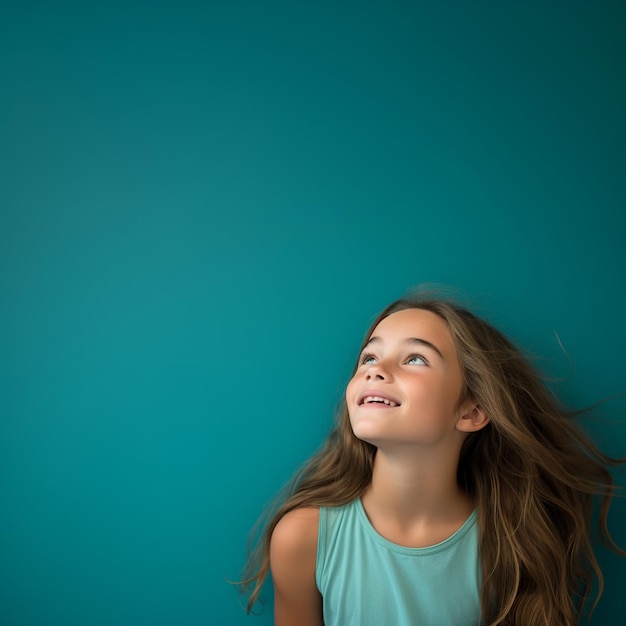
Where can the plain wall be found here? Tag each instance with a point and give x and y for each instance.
(202, 207)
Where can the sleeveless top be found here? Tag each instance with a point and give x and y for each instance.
(366, 580)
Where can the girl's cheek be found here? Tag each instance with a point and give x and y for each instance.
(349, 391)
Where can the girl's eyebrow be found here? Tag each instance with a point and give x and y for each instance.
(412, 340)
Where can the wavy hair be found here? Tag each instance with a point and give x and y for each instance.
(531, 471)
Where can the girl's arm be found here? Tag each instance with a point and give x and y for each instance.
(293, 551)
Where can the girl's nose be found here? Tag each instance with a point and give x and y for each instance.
(376, 372)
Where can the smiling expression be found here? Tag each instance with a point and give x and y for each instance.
(408, 383)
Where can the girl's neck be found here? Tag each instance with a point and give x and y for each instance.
(415, 501)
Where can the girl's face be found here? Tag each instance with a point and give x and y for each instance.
(408, 384)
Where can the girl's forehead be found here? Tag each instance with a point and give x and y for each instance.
(410, 321)
(415, 324)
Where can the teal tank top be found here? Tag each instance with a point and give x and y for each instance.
(366, 580)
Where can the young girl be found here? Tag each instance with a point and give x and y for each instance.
(454, 491)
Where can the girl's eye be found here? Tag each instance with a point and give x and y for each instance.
(416, 359)
(368, 359)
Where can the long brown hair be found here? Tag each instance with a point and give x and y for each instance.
(532, 472)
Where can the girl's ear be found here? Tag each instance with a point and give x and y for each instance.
(472, 418)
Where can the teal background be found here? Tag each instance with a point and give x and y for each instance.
(204, 204)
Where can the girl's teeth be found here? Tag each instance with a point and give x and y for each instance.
(379, 399)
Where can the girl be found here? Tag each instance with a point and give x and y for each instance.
(455, 490)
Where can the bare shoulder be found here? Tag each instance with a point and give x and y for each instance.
(293, 547)
(296, 530)
(293, 552)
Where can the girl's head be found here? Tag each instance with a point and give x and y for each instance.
(409, 387)
(495, 379)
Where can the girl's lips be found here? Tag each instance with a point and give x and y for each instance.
(377, 398)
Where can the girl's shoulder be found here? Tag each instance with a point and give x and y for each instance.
(296, 531)
(293, 552)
